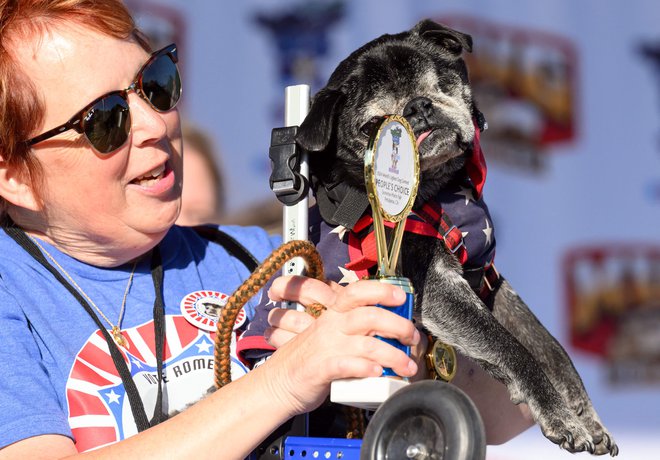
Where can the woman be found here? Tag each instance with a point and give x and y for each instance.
(97, 284)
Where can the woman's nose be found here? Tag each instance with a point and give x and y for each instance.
(147, 125)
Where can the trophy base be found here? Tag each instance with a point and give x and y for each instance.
(367, 393)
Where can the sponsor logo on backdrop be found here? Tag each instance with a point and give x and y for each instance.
(613, 297)
(651, 52)
(163, 25)
(300, 34)
(524, 82)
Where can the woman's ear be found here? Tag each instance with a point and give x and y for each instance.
(15, 187)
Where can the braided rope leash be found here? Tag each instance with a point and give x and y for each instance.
(252, 285)
(255, 282)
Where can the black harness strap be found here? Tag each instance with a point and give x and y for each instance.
(341, 204)
(232, 245)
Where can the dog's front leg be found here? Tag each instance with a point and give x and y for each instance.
(510, 311)
(450, 310)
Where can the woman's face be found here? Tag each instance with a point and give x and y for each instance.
(92, 199)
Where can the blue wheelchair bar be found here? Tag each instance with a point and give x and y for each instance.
(321, 448)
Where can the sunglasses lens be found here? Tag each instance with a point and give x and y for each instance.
(161, 84)
(108, 123)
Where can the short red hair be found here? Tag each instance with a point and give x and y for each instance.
(21, 108)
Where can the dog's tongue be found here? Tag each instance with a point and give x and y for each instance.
(422, 136)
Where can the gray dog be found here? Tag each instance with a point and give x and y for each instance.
(420, 75)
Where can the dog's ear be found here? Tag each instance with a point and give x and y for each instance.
(450, 39)
(479, 118)
(315, 132)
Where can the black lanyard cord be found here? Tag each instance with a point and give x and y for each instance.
(137, 407)
(159, 332)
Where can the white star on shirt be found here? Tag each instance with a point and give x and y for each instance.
(112, 397)
(271, 302)
(204, 347)
(464, 234)
(488, 231)
(467, 193)
(349, 276)
(340, 230)
(137, 363)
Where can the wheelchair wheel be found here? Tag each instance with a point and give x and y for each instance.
(429, 420)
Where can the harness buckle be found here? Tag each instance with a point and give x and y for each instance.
(444, 238)
(497, 276)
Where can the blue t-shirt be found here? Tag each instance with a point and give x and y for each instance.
(57, 374)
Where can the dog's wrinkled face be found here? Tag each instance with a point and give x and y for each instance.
(418, 74)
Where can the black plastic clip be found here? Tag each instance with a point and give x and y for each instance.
(285, 179)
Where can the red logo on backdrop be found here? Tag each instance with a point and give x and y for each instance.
(524, 83)
(613, 298)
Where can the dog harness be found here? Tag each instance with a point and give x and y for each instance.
(457, 215)
(350, 255)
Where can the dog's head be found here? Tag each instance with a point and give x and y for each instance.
(418, 74)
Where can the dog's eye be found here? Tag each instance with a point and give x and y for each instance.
(369, 126)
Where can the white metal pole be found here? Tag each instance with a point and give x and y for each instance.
(295, 218)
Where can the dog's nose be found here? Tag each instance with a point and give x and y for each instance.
(417, 110)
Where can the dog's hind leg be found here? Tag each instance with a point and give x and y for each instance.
(510, 311)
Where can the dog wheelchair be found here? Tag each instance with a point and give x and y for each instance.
(427, 420)
(430, 419)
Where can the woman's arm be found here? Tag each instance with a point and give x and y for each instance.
(231, 422)
(502, 419)
(227, 424)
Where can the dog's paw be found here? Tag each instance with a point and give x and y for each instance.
(606, 446)
(602, 439)
(567, 431)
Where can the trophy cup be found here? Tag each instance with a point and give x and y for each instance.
(391, 169)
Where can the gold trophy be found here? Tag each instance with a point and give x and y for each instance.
(391, 169)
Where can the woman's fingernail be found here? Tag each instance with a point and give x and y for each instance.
(399, 295)
(412, 367)
(416, 337)
(267, 334)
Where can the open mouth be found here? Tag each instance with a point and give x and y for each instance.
(152, 177)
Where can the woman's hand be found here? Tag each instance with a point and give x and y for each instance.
(340, 343)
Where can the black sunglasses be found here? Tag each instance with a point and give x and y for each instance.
(106, 122)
